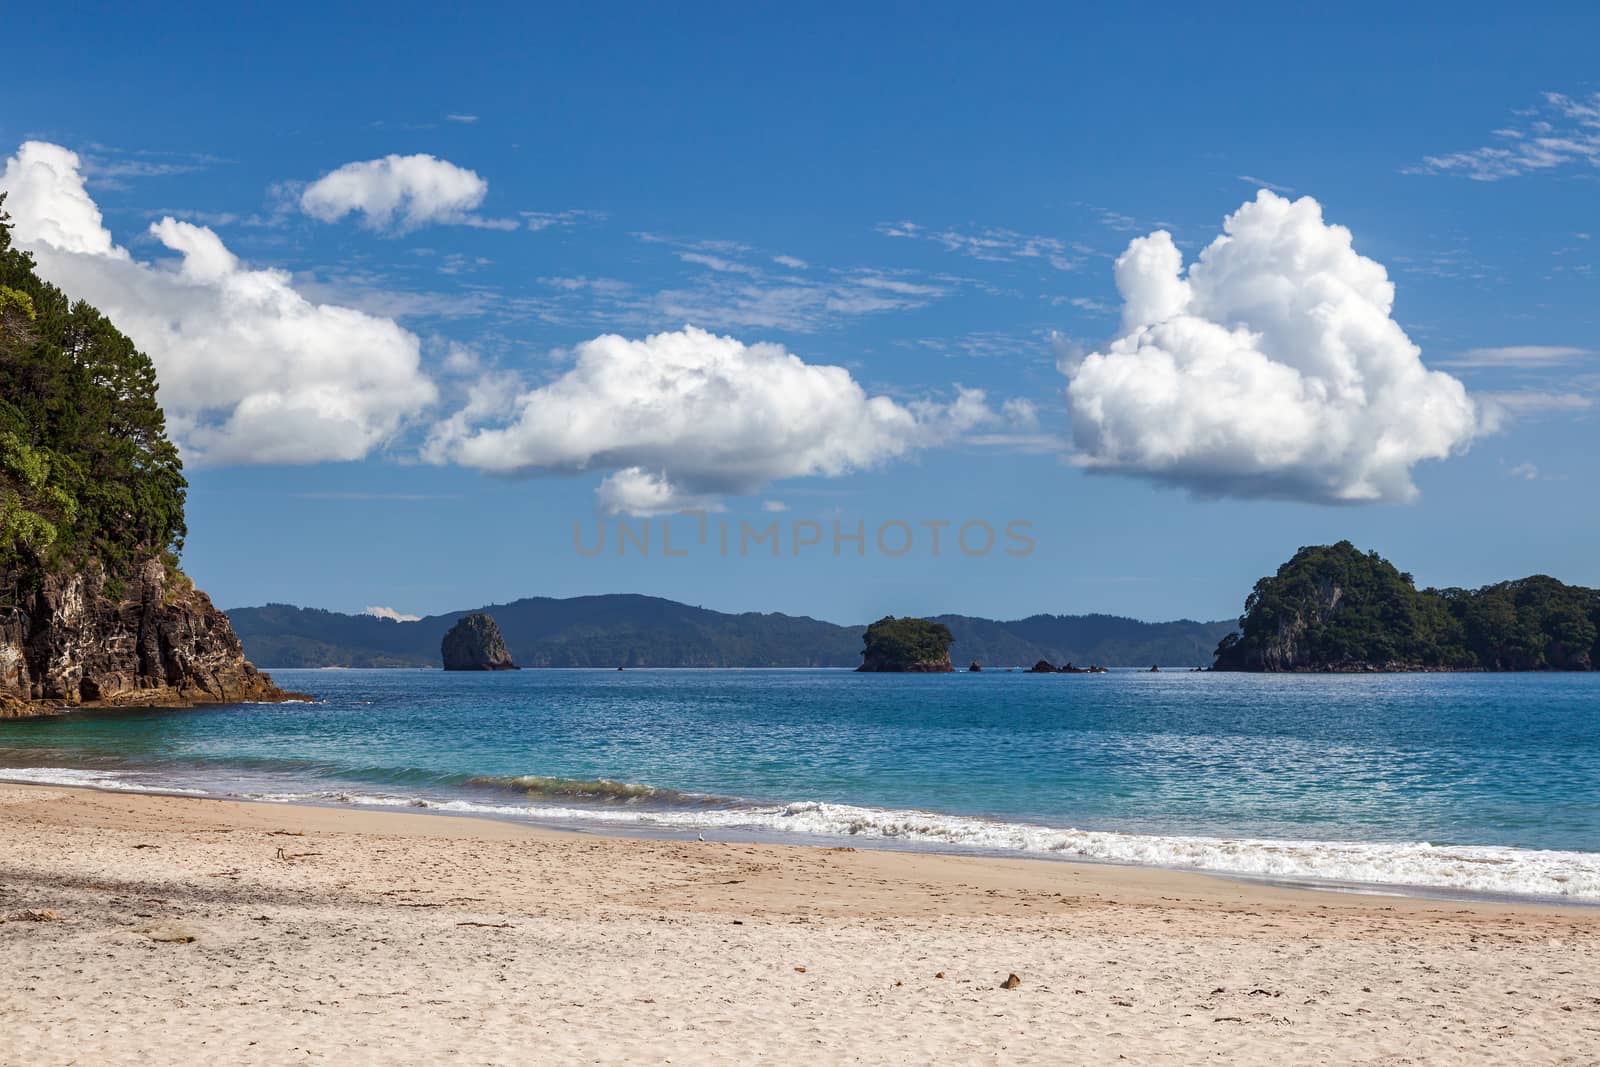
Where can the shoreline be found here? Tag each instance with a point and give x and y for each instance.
(1419, 869)
(344, 818)
(785, 840)
(261, 933)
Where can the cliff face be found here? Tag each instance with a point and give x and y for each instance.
(475, 644)
(67, 642)
(1285, 648)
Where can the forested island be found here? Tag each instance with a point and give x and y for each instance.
(906, 646)
(1336, 608)
(93, 605)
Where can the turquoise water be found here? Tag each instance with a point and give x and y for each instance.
(1468, 782)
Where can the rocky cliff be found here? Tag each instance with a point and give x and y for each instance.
(475, 644)
(68, 640)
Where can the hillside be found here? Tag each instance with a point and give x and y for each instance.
(1335, 608)
(637, 631)
(93, 605)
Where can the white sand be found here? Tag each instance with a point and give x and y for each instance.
(397, 938)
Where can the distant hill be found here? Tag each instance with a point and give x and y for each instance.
(641, 631)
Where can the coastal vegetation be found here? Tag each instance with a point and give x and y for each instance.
(906, 645)
(93, 607)
(1336, 608)
(86, 470)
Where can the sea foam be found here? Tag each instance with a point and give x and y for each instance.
(1472, 869)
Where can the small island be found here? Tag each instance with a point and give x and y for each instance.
(906, 645)
(474, 644)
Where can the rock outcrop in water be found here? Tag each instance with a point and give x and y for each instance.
(475, 644)
(906, 646)
(68, 642)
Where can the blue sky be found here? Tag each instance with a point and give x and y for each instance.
(386, 378)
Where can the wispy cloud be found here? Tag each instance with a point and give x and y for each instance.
(109, 167)
(1559, 131)
(1523, 403)
(717, 263)
(1262, 183)
(1520, 356)
(991, 245)
(545, 220)
(465, 120)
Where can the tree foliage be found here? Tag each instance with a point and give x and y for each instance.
(1332, 607)
(86, 470)
(892, 643)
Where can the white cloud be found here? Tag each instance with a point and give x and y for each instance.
(465, 120)
(682, 418)
(1521, 403)
(716, 263)
(992, 245)
(796, 263)
(1525, 471)
(1560, 131)
(390, 614)
(774, 506)
(544, 220)
(401, 193)
(1525, 356)
(1273, 368)
(250, 371)
(1262, 183)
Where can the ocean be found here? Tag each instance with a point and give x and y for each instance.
(1459, 784)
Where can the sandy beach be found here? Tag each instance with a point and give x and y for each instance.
(153, 929)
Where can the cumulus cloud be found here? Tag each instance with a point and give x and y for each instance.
(680, 419)
(1271, 368)
(250, 371)
(390, 614)
(401, 193)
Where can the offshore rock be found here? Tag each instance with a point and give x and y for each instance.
(475, 644)
(73, 639)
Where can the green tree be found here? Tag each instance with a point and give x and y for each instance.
(86, 469)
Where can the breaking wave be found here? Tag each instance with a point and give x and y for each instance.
(603, 790)
(621, 806)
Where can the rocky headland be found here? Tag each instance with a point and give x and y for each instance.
(69, 642)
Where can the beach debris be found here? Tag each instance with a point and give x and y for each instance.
(495, 926)
(1011, 982)
(939, 975)
(291, 856)
(146, 846)
(39, 915)
(799, 970)
(168, 933)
